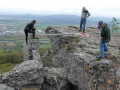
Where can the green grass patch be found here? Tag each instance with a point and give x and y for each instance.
(41, 39)
(45, 46)
(43, 50)
(6, 67)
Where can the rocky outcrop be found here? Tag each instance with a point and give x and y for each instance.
(27, 74)
(78, 54)
(71, 64)
(4, 87)
(31, 50)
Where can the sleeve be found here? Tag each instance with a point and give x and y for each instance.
(88, 14)
(103, 33)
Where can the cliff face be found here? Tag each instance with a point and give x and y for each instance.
(71, 64)
(77, 54)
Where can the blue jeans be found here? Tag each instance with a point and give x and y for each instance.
(102, 48)
(82, 22)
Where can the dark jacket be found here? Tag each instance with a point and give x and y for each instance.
(105, 33)
(29, 27)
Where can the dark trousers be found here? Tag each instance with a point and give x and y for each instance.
(33, 34)
(26, 34)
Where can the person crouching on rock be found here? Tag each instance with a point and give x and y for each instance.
(30, 29)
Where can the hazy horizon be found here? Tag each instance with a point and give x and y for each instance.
(45, 14)
(70, 7)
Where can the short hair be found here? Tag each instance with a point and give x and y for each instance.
(34, 21)
(83, 9)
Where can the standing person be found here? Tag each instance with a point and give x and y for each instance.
(104, 37)
(84, 16)
(30, 29)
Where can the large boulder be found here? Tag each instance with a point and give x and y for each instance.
(27, 74)
(4, 87)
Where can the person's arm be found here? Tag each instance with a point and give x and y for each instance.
(32, 26)
(103, 33)
(88, 14)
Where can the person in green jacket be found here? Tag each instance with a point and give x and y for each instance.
(104, 37)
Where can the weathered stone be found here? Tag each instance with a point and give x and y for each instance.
(71, 64)
(106, 64)
(36, 55)
(55, 79)
(78, 55)
(4, 87)
(27, 74)
(33, 44)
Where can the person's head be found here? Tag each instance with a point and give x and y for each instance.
(83, 9)
(34, 21)
(100, 24)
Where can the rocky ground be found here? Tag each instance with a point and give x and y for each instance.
(71, 64)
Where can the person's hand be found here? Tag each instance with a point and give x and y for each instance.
(34, 28)
(101, 37)
(85, 16)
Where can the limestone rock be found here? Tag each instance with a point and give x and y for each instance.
(36, 55)
(77, 54)
(4, 87)
(71, 64)
(33, 44)
(55, 79)
(27, 74)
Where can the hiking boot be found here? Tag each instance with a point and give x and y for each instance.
(105, 50)
(79, 31)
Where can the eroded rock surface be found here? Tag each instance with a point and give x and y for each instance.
(4, 87)
(78, 54)
(71, 64)
(27, 74)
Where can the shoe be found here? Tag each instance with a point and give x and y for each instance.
(79, 31)
(106, 50)
(83, 31)
(99, 57)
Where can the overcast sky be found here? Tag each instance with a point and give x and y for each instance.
(109, 8)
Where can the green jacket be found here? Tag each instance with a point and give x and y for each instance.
(105, 33)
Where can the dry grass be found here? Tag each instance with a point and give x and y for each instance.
(11, 44)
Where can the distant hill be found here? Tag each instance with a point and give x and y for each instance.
(59, 20)
(68, 19)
